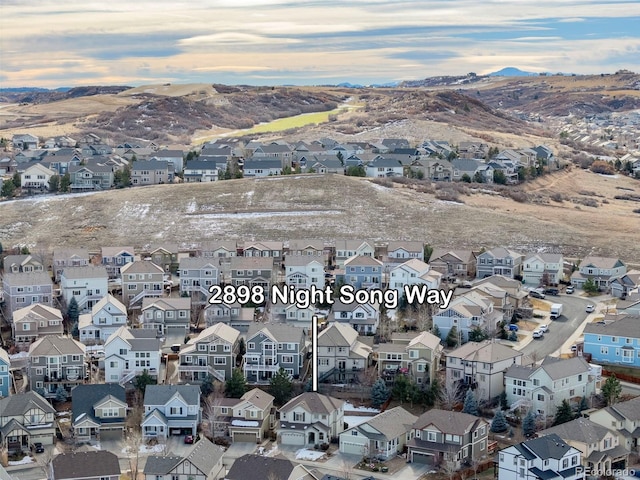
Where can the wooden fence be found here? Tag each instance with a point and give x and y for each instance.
(621, 376)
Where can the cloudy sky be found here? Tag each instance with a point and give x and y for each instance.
(49, 43)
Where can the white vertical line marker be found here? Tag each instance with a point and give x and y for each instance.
(314, 353)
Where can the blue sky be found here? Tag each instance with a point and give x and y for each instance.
(48, 43)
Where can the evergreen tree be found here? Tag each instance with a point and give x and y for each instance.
(61, 394)
(207, 386)
(590, 286)
(465, 178)
(478, 178)
(499, 177)
(25, 250)
(436, 331)
(611, 390)
(308, 387)
(8, 189)
(379, 393)
(452, 337)
(17, 181)
(236, 386)
(341, 158)
(242, 349)
(529, 424)
(564, 413)
(1, 249)
(54, 183)
(583, 404)
(470, 405)
(141, 381)
(65, 182)
(477, 334)
(281, 387)
(401, 388)
(75, 330)
(427, 252)
(72, 311)
(503, 401)
(499, 422)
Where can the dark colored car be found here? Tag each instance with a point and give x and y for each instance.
(188, 439)
(552, 291)
(513, 327)
(37, 447)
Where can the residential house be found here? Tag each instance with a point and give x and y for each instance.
(296, 316)
(418, 357)
(274, 250)
(600, 446)
(197, 275)
(26, 418)
(615, 342)
(273, 468)
(384, 167)
(151, 172)
(304, 273)
(202, 461)
(506, 293)
(442, 437)
(201, 171)
(258, 167)
(212, 353)
(170, 410)
(434, 169)
(88, 285)
(235, 315)
(384, 436)
(271, 347)
(544, 387)
(280, 151)
(362, 317)
(324, 164)
(23, 264)
(91, 177)
(98, 412)
(341, 355)
(454, 263)
(252, 271)
(174, 157)
(362, 272)
(249, 418)
(34, 322)
(546, 457)
(114, 258)
(543, 269)
(24, 141)
(413, 272)
(472, 149)
(167, 257)
(624, 285)
(467, 312)
(129, 352)
(89, 465)
(167, 316)
(141, 279)
(624, 418)
(5, 373)
(600, 270)
(307, 248)
(481, 366)
(310, 419)
(221, 250)
(56, 362)
(401, 251)
(24, 289)
(36, 178)
(468, 167)
(69, 257)
(346, 249)
(106, 316)
(499, 261)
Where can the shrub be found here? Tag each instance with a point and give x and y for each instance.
(557, 197)
(600, 166)
(222, 441)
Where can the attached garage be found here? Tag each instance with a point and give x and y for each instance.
(111, 434)
(352, 447)
(243, 437)
(420, 457)
(292, 438)
(43, 438)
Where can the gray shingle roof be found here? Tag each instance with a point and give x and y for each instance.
(248, 466)
(628, 326)
(161, 394)
(547, 447)
(392, 423)
(18, 404)
(456, 423)
(314, 402)
(99, 463)
(579, 430)
(84, 397)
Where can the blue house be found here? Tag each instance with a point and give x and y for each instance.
(5, 363)
(363, 272)
(616, 341)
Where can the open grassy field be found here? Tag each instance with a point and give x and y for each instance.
(317, 206)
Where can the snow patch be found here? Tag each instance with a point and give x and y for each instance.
(244, 423)
(238, 216)
(192, 207)
(355, 420)
(349, 407)
(305, 454)
(24, 461)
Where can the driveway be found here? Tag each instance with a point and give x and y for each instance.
(237, 450)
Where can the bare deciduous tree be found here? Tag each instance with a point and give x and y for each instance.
(211, 412)
(449, 396)
(134, 441)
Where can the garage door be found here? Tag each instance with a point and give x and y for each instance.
(291, 438)
(418, 457)
(43, 439)
(244, 437)
(113, 434)
(351, 447)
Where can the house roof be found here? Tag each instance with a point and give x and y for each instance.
(382, 162)
(273, 468)
(98, 463)
(280, 332)
(258, 398)
(547, 447)
(301, 244)
(579, 430)
(392, 423)
(461, 255)
(262, 163)
(314, 402)
(156, 465)
(302, 261)
(203, 454)
(20, 403)
(456, 423)
(52, 345)
(362, 261)
(84, 397)
(564, 367)
(485, 352)
(251, 263)
(601, 262)
(27, 278)
(109, 299)
(113, 251)
(337, 334)
(217, 330)
(628, 326)
(150, 165)
(141, 266)
(412, 246)
(629, 409)
(168, 303)
(37, 311)
(161, 394)
(198, 263)
(90, 271)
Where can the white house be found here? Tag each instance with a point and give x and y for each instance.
(413, 272)
(543, 269)
(128, 352)
(304, 272)
(384, 167)
(311, 418)
(106, 317)
(36, 176)
(171, 410)
(363, 317)
(467, 312)
(88, 285)
(340, 353)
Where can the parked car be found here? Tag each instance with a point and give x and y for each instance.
(543, 328)
(536, 294)
(591, 308)
(552, 291)
(538, 334)
(37, 447)
(574, 348)
(569, 289)
(513, 327)
(188, 439)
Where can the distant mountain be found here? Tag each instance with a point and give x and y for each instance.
(33, 89)
(512, 72)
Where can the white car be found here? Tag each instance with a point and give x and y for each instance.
(591, 308)
(543, 328)
(538, 334)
